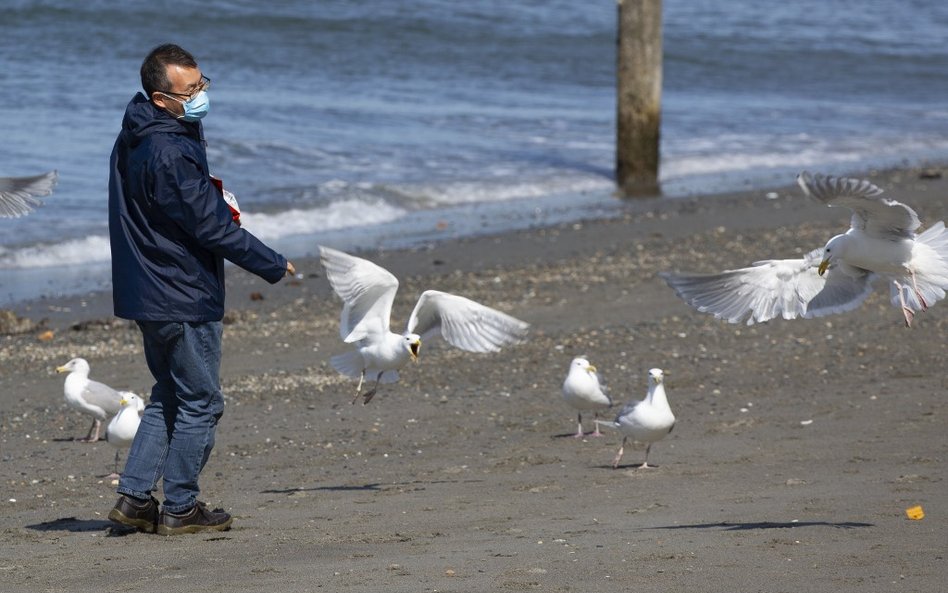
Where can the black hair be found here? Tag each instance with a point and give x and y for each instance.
(154, 68)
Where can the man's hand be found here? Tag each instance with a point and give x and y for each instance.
(290, 269)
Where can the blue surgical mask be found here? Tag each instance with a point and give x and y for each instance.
(197, 107)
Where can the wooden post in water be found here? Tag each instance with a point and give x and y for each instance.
(639, 96)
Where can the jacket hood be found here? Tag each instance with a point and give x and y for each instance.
(143, 118)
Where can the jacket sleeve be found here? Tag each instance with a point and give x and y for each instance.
(183, 191)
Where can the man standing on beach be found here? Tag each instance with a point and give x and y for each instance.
(171, 231)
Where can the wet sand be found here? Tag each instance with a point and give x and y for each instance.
(798, 448)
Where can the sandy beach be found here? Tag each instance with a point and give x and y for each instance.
(798, 448)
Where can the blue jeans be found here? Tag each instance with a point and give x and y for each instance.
(176, 433)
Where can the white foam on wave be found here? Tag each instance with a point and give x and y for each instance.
(500, 190)
(739, 155)
(338, 215)
(75, 252)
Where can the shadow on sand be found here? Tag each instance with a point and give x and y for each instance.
(374, 487)
(725, 526)
(72, 524)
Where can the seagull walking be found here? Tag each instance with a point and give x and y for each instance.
(582, 391)
(18, 195)
(646, 421)
(121, 430)
(89, 397)
(881, 242)
(368, 291)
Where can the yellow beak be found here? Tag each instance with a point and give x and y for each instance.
(123, 402)
(62, 370)
(413, 349)
(823, 266)
(591, 368)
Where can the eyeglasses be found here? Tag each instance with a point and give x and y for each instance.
(202, 86)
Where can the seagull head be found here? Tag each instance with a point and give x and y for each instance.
(656, 376)
(581, 363)
(833, 249)
(76, 365)
(413, 343)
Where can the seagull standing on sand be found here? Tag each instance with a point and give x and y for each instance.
(368, 291)
(89, 397)
(582, 391)
(18, 194)
(120, 432)
(647, 421)
(881, 242)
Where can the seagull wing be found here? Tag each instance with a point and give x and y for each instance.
(367, 291)
(787, 288)
(465, 324)
(877, 216)
(18, 194)
(103, 396)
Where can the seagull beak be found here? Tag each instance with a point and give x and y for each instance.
(123, 402)
(591, 368)
(414, 348)
(62, 370)
(823, 266)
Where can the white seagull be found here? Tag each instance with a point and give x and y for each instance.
(582, 391)
(18, 194)
(120, 432)
(368, 290)
(646, 421)
(881, 242)
(89, 397)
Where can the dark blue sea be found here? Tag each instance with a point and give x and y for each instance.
(393, 123)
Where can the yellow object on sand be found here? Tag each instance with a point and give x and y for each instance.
(915, 513)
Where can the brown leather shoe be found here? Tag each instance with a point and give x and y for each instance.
(195, 520)
(140, 514)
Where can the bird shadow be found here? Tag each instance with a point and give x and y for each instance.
(372, 487)
(363, 488)
(609, 467)
(728, 526)
(586, 435)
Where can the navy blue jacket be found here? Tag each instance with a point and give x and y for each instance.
(169, 226)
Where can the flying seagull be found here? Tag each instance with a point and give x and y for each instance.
(368, 291)
(881, 242)
(18, 195)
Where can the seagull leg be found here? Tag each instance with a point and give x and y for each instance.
(906, 311)
(615, 462)
(645, 464)
(359, 388)
(579, 429)
(368, 395)
(596, 432)
(114, 475)
(93, 434)
(921, 299)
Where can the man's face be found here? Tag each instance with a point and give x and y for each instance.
(185, 83)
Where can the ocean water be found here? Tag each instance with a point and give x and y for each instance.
(386, 124)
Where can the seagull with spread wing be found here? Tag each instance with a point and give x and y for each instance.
(18, 194)
(881, 243)
(368, 291)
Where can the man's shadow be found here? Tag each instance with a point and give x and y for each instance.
(73, 525)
